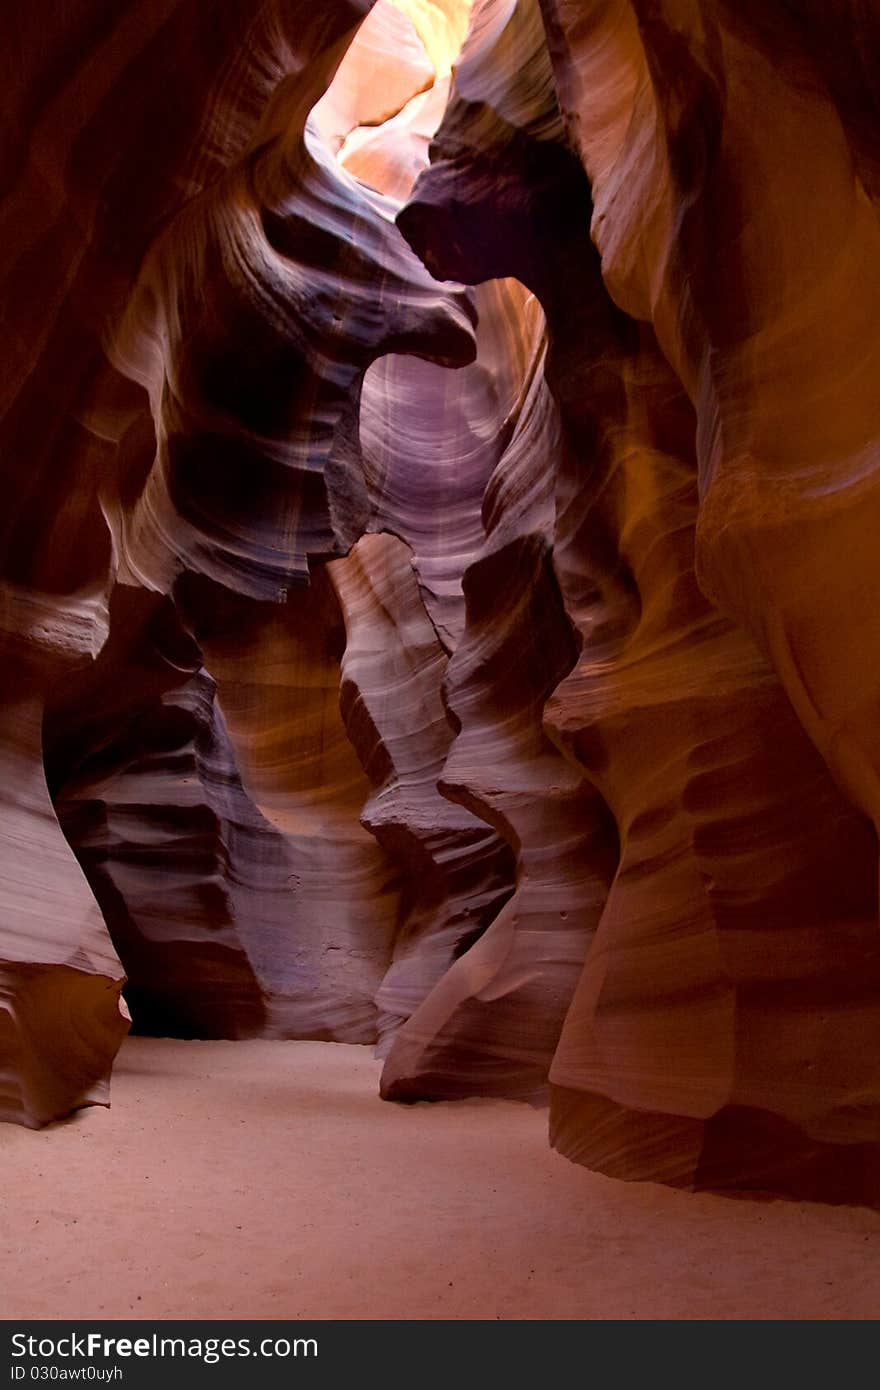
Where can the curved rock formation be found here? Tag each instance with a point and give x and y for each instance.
(277, 667)
(61, 1016)
(456, 871)
(758, 267)
(255, 318)
(235, 205)
(718, 941)
(439, 593)
(492, 1024)
(693, 219)
(146, 788)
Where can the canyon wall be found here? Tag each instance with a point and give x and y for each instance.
(438, 571)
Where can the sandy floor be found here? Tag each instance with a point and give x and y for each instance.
(267, 1180)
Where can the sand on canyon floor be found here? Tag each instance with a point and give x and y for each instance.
(268, 1180)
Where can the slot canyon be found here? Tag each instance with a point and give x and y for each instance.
(440, 684)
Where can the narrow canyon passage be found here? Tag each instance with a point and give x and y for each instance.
(267, 1180)
(440, 659)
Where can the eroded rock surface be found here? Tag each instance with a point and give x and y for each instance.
(440, 593)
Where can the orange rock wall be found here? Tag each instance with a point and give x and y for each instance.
(439, 593)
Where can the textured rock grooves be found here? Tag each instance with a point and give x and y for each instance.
(439, 595)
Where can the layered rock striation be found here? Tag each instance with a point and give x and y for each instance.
(439, 598)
